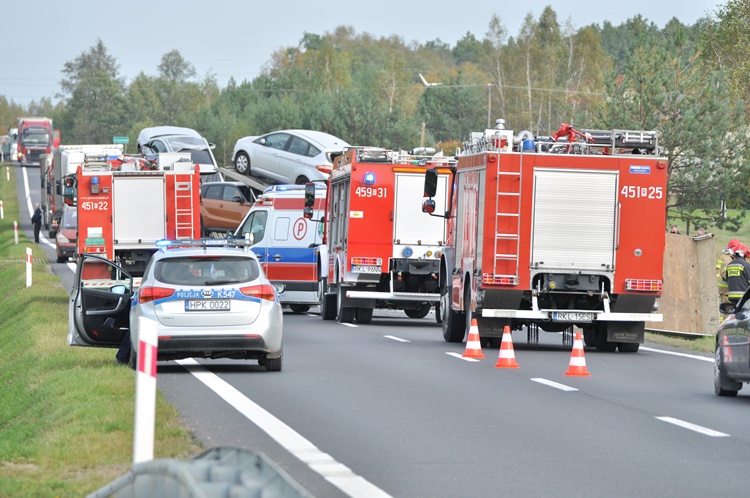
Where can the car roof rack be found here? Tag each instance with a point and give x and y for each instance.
(165, 244)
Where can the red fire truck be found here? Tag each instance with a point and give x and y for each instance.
(379, 250)
(561, 231)
(35, 138)
(125, 207)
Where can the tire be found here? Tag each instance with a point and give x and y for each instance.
(628, 347)
(327, 301)
(62, 259)
(454, 322)
(421, 312)
(133, 359)
(299, 308)
(438, 316)
(343, 315)
(723, 385)
(364, 315)
(242, 163)
(274, 364)
(301, 180)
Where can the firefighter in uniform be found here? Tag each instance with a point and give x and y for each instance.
(721, 267)
(737, 275)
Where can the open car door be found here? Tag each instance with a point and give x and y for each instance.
(99, 308)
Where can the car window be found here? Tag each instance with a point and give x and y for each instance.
(247, 193)
(159, 146)
(281, 231)
(205, 270)
(70, 218)
(212, 192)
(298, 146)
(255, 224)
(231, 193)
(277, 140)
(745, 306)
(313, 151)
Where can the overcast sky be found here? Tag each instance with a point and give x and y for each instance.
(235, 38)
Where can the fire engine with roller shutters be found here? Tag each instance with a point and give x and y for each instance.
(554, 232)
(379, 250)
(125, 205)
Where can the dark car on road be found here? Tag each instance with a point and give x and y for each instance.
(732, 363)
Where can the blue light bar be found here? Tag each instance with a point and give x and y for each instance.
(369, 178)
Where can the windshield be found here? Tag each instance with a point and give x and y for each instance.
(35, 137)
(70, 219)
(199, 271)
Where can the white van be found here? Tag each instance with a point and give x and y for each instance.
(286, 243)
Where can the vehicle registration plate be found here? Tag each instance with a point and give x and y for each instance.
(207, 305)
(572, 316)
(365, 269)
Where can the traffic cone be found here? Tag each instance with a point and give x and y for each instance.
(577, 366)
(473, 346)
(507, 358)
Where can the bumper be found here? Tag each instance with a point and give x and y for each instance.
(596, 316)
(394, 296)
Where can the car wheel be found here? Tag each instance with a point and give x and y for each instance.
(601, 342)
(273, 364)
(723, 385)
(242, 163)
(299, 308)
(364, 315)
(133, 359)
(301, 180)
(454, 322)
(343, 315)
(628, 347)
(422, 311)
(438, 316)
(62, 259)
(327, 301)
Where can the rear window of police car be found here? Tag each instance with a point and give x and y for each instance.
(206, 270)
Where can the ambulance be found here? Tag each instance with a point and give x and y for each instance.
(286, 243)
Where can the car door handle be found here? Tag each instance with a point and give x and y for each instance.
(277, 257)
(260, 256)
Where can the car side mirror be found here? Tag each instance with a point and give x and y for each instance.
(118, 289)
(430, 182)
(428, 206)
(727, 308)
(262, 141)
(307, 213)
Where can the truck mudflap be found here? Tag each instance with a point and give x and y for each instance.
(394, 296)
(577, 316)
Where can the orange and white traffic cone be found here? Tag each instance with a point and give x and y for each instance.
(577, 366)
(507, 358)
(473, 344)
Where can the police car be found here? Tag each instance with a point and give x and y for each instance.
(205, 298)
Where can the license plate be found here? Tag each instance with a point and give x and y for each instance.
(207, 305)
(572, 316)
(365, 269)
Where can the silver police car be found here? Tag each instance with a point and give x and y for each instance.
(204, 298)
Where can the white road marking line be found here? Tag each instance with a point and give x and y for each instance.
(350, 325)
(459, 356)
(336, 473)
(693, 427)
(393, 337)
(684, 355)
(556, 385)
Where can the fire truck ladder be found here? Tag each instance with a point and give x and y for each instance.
(507, 222)
(183, 208)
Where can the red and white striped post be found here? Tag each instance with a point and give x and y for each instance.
(7, 173)
(2, 212)
(15, 231)
(28, 267)
(145, 392)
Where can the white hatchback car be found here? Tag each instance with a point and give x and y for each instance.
(288, 156)
(159, 139)
(205, 298)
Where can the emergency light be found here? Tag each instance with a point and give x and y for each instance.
(95, 185)
(369, 178)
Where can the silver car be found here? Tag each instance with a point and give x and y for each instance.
(288, 156)
(160, 139)
(206, 299)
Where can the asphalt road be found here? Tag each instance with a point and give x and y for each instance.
(389, 408)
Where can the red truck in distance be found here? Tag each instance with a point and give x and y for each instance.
(35, 138)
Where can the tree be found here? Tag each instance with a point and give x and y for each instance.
(94, 97)
(701, 130)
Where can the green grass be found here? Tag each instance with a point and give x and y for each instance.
(66, 417)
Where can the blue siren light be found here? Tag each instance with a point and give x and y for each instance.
(369, 178)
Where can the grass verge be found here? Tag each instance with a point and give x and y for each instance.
(66, 416)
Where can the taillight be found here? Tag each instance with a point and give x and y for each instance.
(324, 168)
(148, 294)
(263, 291)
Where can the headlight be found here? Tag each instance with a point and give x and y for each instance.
(62, 239)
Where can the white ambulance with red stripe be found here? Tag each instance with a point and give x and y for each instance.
(382, 251)
(286, 243)
(555, 232)
(126, 204)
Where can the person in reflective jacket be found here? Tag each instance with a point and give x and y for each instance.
(737, 275)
